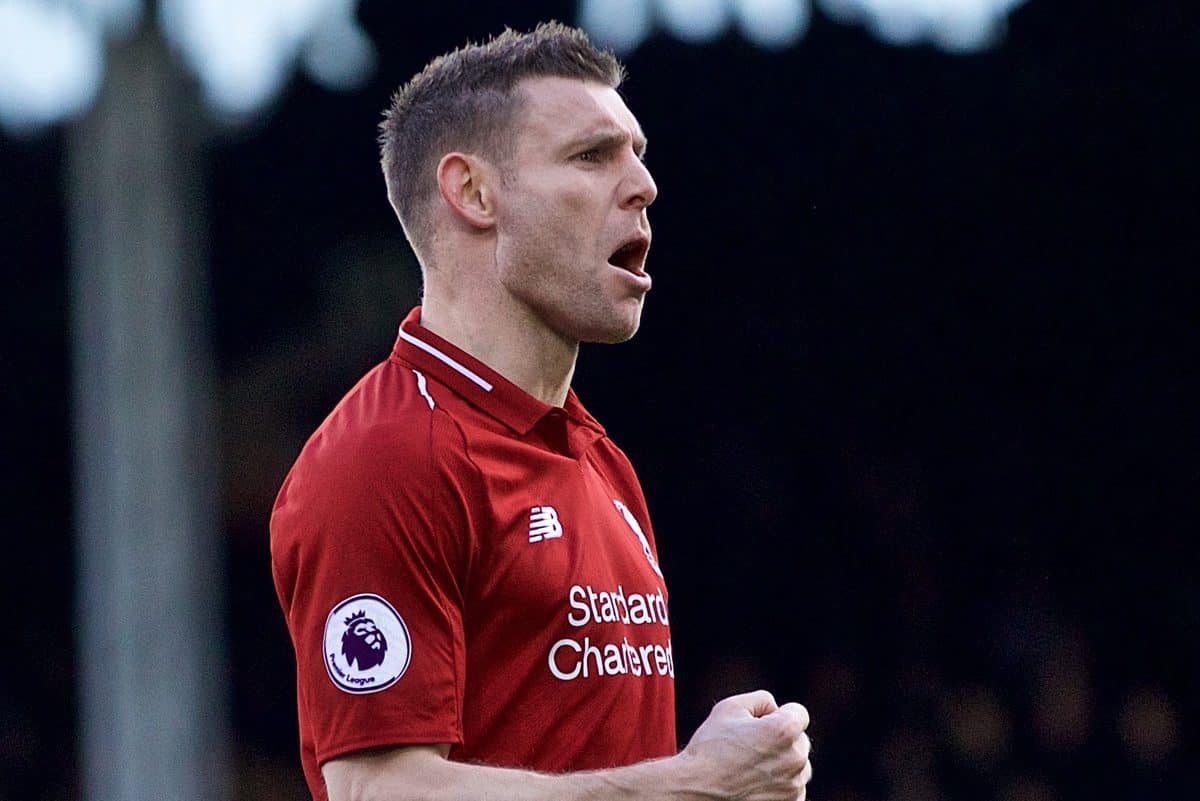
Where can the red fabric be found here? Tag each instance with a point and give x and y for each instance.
(440, 515)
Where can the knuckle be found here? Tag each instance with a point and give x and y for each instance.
(779, 730)
(760, 698)
(799, 711)
(727, 704)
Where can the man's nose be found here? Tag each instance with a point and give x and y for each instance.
(639, 189)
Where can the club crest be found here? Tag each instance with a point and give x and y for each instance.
(641, 535)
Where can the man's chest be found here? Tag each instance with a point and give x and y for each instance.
(567, 552)
(554, 525)
(566, 607)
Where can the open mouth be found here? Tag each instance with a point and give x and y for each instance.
(631, 255)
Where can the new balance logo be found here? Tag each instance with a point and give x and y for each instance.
(543, 524)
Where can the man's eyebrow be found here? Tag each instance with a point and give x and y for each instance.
(640, 144)
(613, 140)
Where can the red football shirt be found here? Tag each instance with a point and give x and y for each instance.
(461, 563)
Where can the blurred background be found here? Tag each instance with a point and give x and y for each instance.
(913, 401)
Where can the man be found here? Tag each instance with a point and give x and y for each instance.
(465, 560)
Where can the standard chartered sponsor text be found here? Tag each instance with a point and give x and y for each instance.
(590, 606)
(572, 658)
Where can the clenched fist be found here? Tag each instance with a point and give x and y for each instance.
(751, 749)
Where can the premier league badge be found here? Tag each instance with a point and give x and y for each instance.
(367, 647)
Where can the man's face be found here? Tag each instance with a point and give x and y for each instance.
(571, 213)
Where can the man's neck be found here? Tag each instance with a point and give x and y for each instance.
(522, 350)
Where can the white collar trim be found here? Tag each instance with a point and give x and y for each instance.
(444, 359)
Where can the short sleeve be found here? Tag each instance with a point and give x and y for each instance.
(370, 546)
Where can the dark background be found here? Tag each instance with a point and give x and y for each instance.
(911, 402)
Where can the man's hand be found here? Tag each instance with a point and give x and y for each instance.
(751, 749)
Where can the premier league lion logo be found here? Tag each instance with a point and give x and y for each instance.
(363, 644)
(366, 644)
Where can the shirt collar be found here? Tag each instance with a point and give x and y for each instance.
(479, 384)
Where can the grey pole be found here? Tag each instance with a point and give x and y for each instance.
(150, 630)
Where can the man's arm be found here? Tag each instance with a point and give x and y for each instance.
(747, 749)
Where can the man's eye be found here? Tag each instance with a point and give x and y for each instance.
(592, 155)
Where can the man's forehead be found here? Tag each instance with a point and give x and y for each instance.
(567, 106)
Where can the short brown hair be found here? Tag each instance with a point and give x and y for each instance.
(464, 100)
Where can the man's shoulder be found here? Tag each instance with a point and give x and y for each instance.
(386, 424)
(385, 467)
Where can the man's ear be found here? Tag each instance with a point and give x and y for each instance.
(465, 184)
